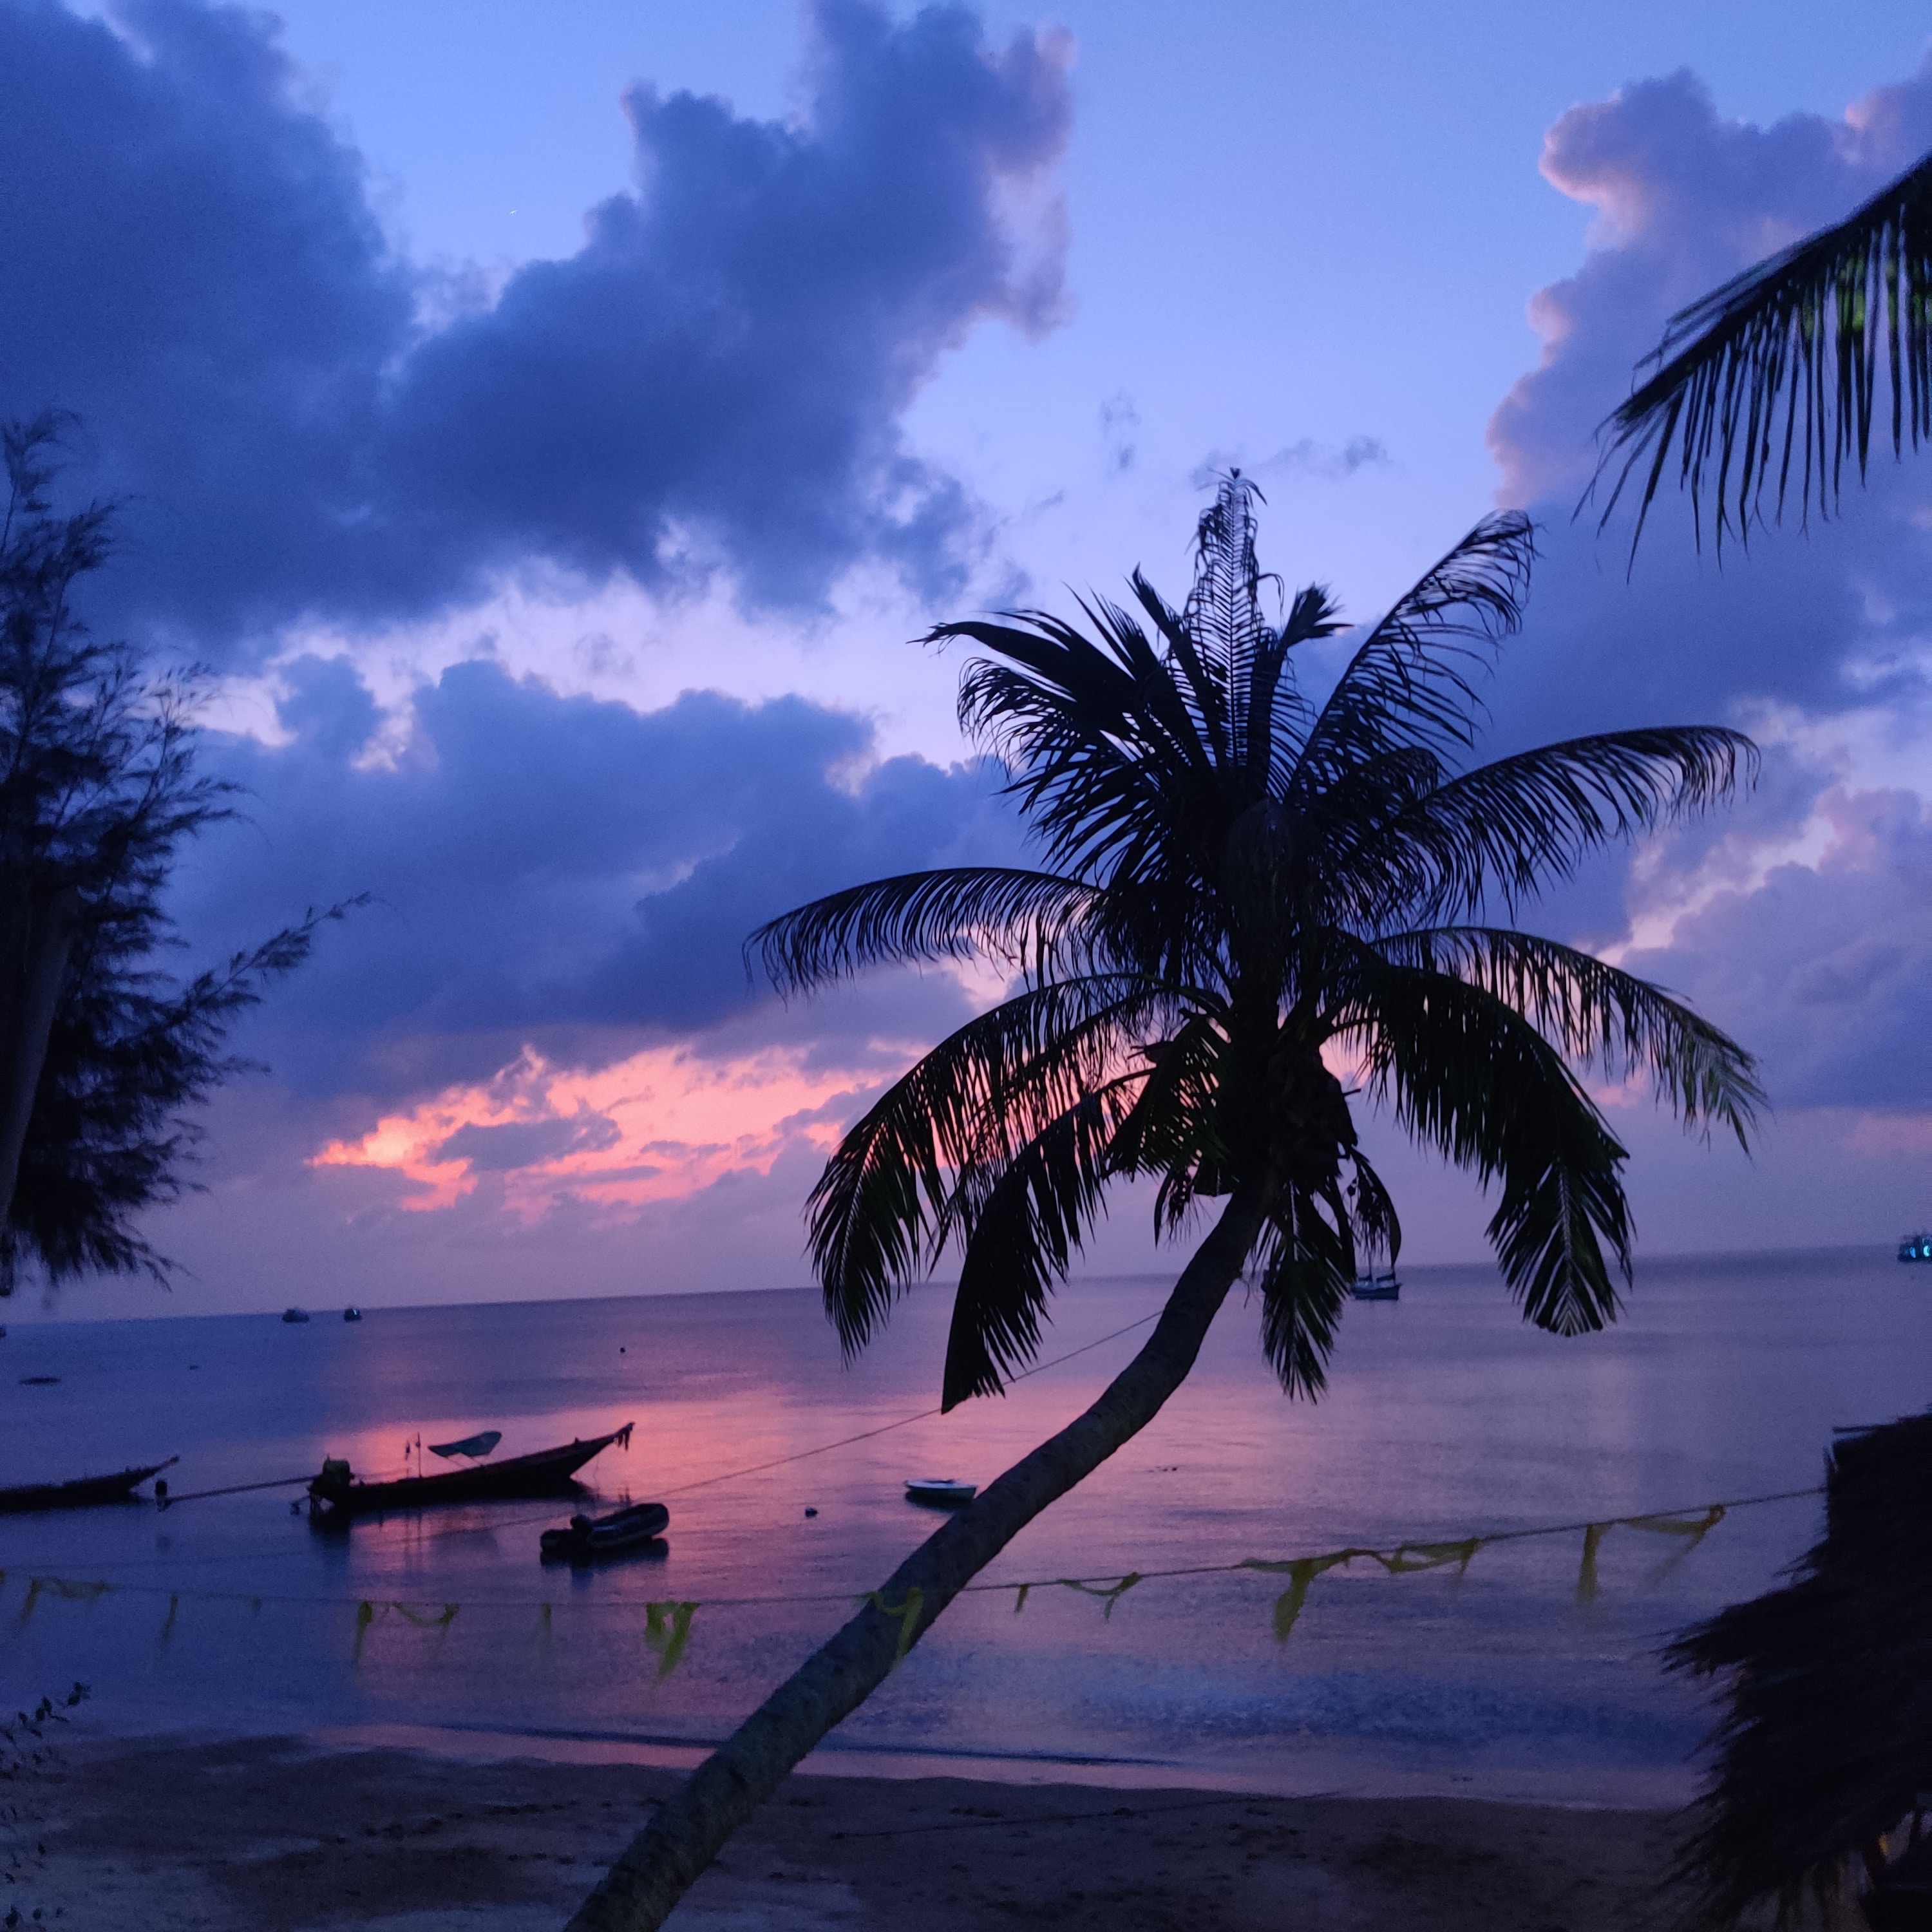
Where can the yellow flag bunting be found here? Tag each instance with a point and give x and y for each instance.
(668, 1625)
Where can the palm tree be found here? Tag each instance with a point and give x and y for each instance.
(1780, 367)
(1242, 891)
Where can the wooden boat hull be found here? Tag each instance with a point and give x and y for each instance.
(549, 1472)
(84, 1492)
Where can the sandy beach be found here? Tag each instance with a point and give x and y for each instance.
(283, 1835)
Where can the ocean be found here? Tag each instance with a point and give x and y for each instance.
(1445, 1419)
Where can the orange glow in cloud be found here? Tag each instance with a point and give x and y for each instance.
(657, 1126)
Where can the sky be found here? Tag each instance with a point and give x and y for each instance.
(551, 425)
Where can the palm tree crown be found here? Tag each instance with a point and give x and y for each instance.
(1244, 890)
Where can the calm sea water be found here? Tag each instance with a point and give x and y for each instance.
(1445, 1417)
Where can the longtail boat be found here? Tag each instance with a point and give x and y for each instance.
(338, 1493)
(83, 1492)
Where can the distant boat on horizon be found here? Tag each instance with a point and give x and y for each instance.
(1916, 1247)
(295, 1315)
(352, 1313)
(1373, 1287)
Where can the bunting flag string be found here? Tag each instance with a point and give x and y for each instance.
(668, 1624)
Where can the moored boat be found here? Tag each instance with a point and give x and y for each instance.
(1916, 1247)
(338, 1493)
(83, 1492)
(352, 1313)
(295, 1315)
(940, 1491)
(1377, 1287)
(588, 1538)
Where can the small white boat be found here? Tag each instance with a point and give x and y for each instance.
(1377, 1287)
(295, 1315)
(939, 1491)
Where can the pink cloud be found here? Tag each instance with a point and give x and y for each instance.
(659, 1126)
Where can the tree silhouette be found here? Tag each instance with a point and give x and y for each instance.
(102, 1054)
(1246, 895)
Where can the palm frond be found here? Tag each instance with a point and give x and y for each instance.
(1408, 686)
(913, 1170)
(1598, 1013)
(1106, 750)
(1377, 1228)
(1278, 716)
(1173, 1131)
(1549, 1232)
(1307, 1262)
(959, 914)
(1024, 1234)
(1464, 1073)
(1511, 827)
(1780, 366)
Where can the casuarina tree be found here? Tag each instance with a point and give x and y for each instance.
(103, 1054)
(1257, 908)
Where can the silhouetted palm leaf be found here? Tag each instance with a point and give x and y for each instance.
(1774, 377)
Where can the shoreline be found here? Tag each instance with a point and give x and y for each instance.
(323, 1833)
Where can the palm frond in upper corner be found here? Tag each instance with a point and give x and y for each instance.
(1772, 381)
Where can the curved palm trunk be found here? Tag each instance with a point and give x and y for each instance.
(662, 1862)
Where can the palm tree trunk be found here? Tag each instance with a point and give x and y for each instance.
(662, 1862)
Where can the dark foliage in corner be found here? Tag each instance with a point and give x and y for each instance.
(98, 793)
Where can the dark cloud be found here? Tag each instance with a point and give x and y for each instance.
(192, 267)
(1831, 962)
(559, 871)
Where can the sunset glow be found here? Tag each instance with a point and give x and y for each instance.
(659, 1126)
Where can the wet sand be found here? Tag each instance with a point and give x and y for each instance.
(281, 1835)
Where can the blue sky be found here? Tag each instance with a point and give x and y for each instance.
(552, 422)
